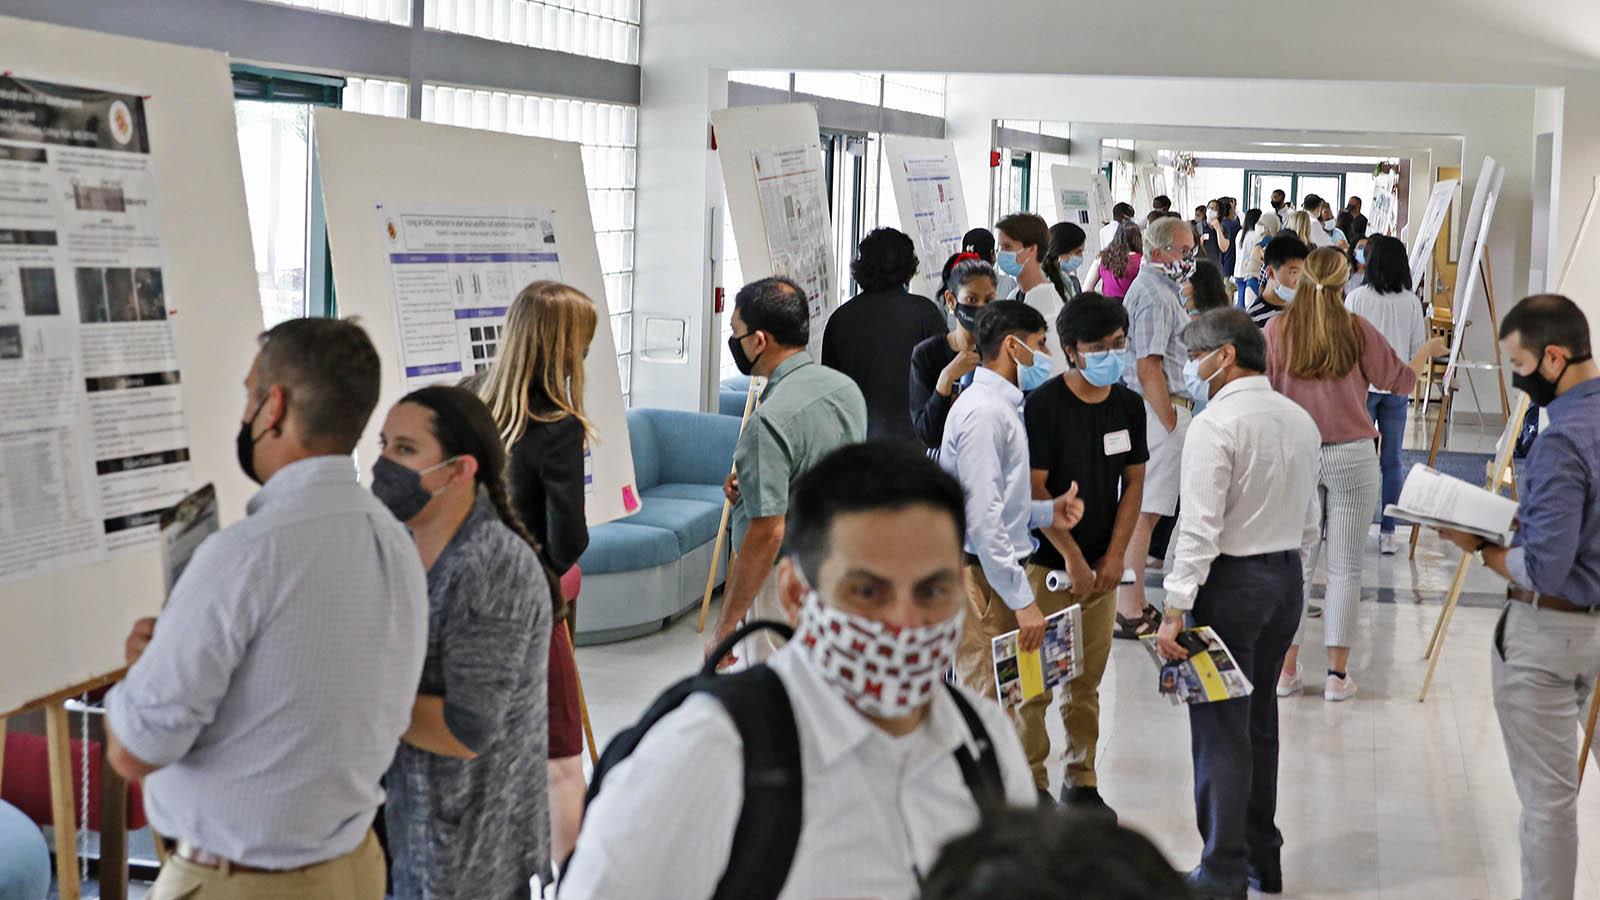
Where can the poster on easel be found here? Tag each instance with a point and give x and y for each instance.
(1582, 265)
(1426, 234)
(927, 191)
(93, 439)
(1079, 200)
(1470, 279)
(1488, 186)
(794, 211)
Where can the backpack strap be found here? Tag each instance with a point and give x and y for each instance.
(982, 775)
(768, 832)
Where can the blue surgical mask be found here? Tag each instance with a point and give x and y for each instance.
(1071, 264)
(1286, 294)
(1034, 374)
(1199, 388)
(1007, 262)
(1104, 368)
(1361, 256)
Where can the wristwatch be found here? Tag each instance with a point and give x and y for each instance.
(1483, 544)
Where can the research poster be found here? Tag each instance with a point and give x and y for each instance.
(1426, 234)
(93, 437)
(794, 209)
(940, 215)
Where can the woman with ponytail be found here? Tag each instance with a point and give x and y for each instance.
(1063, 257)
(468, 807)
(1326, 359)
(942, 365)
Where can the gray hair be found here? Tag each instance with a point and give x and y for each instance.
(1163, 233)
(1270, 223)
(1229, 325)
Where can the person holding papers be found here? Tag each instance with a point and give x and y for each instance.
(986, 449)
(1546, 653)
(1247, 504)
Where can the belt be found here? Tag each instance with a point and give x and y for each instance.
(1545, 601)
(973, 560)
(191, 854)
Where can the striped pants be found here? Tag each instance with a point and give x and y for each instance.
(1348, 487)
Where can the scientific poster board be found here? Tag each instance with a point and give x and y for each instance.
(771, 160)
(1143, 197)
(1079, 200)
(1426, 233)
(128, 316)
(1582, 265)
(434, 230)
(1469, 277)
(933, 211)
(1489, 179)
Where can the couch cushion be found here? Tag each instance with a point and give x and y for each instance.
(646, 447)
(695, 447)
(626, 547)
(705, 493)
(694, 522)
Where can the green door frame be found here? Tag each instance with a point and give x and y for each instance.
(1294, 183)
(281, 86)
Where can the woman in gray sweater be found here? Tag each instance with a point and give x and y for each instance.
(468, 807)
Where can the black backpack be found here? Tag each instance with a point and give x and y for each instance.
(768, 830)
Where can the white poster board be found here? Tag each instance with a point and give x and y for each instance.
(780, 216)
(1079, 200)
(1488, 186)
(1426, 233)
(1143, 197)
(433, 229)
(1470, 279)
(134, 277)
(1582, 266)
(927, 191)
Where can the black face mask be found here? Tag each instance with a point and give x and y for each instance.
(967, 316)
(1542, 390)
(400, 487)
(244, 444)
(741, 359)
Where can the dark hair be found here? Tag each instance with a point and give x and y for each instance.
(966, 270)
(329, 372)
(1229, 325)
(1252, 218)
(1049, 854)
(1065, 238)
(1311, 203)
(885, 259)
(979, 241)
(1201, 209)
(1224, 207)
(1547, 320)
(778, 307)
(1128, 240)
(1157, 214)
(1002, 318)
(1026, 229)
(1388, 267)
(1206, 286)
(1353, 201)
(1088, 318)
(1277, 192)
(876, 475)
(1122, 212)
(464, 427)
(1161, 202)
(1345, 222)
(1284, 248)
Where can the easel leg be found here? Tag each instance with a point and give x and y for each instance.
(1436, 646)
(1456, 584)
(62, 814)
(1494, 324)
(113, 833)
(1433, 447)
(583, 704)
(1588, 735)
(722, 526)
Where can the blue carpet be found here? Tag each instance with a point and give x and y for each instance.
(1469, 467)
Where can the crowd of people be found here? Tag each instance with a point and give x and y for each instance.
(952, 469)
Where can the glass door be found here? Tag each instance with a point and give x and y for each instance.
(1328, 187)
(1260, 185)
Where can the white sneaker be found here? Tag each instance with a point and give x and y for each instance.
(1338, 689)
(1289, 685)
(1386, 544)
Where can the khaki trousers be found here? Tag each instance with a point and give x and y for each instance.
(988, 617)
(1080, 707)
(357, 875)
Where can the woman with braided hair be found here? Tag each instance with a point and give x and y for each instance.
(468, 793)
(1326, 358)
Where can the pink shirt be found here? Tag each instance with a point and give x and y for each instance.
(1339, 405)
(1111, 285)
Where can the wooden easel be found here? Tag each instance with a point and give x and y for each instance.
(1498, 476)
(727, 510)
(1588, 735)
(1449, 389)
(63, 815)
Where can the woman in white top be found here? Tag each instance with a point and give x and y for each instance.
(1387, 301)
(1259, 227)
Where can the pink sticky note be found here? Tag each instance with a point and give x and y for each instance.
(629, 501)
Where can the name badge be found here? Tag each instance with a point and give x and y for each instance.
(1118, 442)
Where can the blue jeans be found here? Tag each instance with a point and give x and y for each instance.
(1389, 412)
(1241, 285)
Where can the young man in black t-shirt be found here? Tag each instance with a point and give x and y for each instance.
(1084, 426)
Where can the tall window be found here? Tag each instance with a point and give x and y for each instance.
(395, 12)
(605, 29)
(608, 133)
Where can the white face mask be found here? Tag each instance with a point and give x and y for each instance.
(882, 671)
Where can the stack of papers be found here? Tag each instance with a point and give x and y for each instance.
(1209, 674)
(1433, 498)
(1022, 676)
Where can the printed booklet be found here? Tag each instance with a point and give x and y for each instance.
(1208, 675)
(1023, 676)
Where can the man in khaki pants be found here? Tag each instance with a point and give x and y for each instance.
(1084, 427)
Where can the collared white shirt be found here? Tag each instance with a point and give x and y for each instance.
(1249, 482)
(986, 448)
(877, 809)
(1044, 298)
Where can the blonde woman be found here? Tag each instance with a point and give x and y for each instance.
(534, 390)
(1299, 222)
(1326, 359)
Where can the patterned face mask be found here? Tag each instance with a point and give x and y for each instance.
(881, 670)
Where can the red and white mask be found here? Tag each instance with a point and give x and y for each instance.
(881, 670)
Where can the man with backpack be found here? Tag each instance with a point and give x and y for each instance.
(843, 765)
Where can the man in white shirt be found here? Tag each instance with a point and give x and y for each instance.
(986, 448)
(1024, 238)
(1121, 214)
(1248, 503)
(875, 541)
(1156, 317)
(1313, 205)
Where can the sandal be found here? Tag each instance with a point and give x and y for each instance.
(1148, 623)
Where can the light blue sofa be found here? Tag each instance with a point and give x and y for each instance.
(24, 858)
(641, 571)
(731, 395)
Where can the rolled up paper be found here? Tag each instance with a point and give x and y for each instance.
(1057, 581)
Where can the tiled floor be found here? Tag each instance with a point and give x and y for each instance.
(1381, 796)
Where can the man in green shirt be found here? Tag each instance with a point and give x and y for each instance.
(806, 411)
